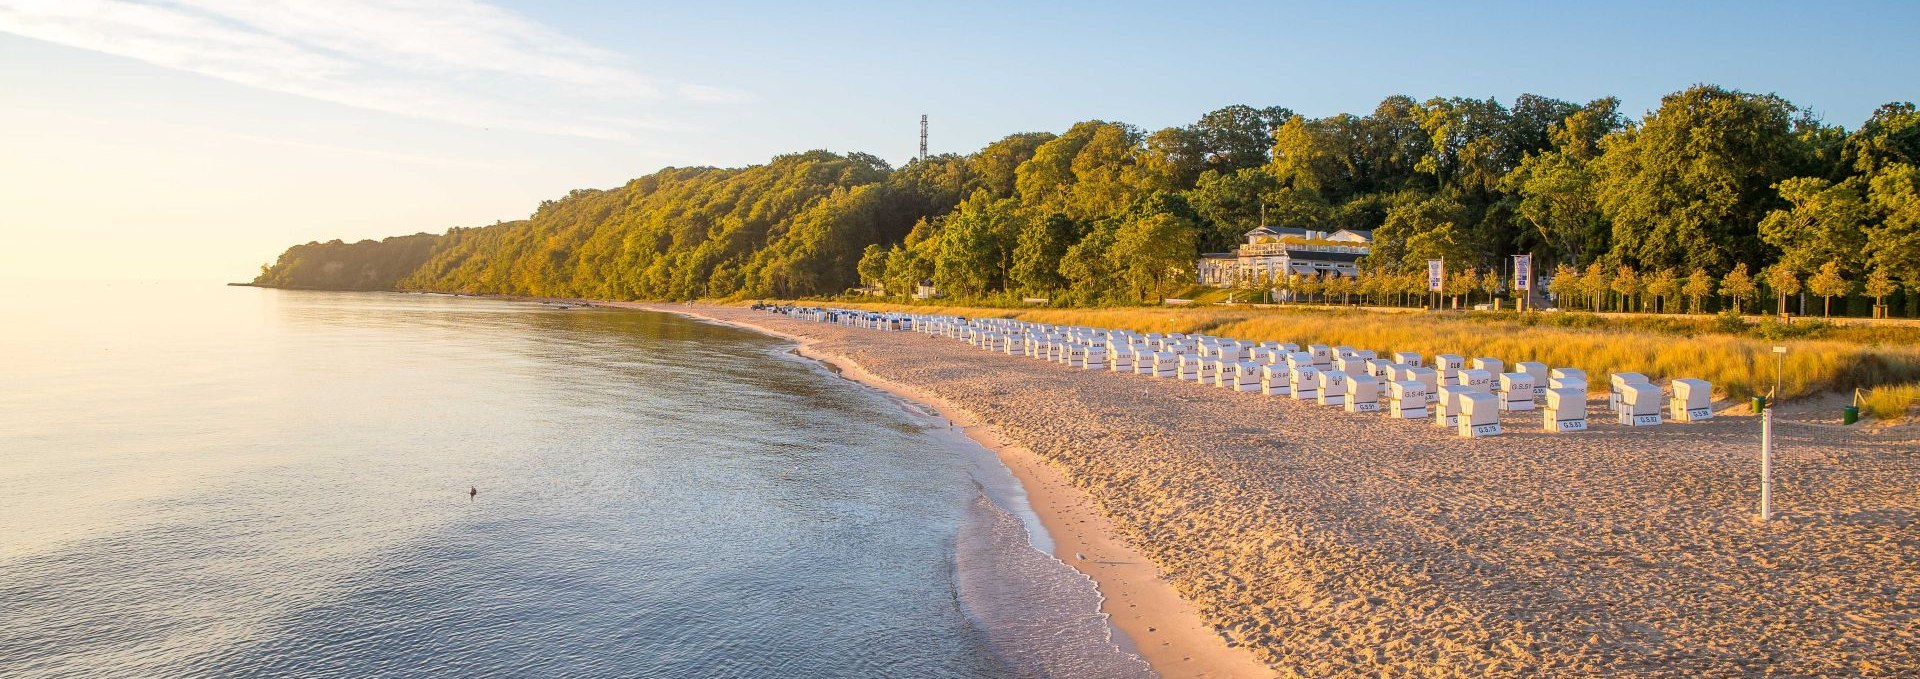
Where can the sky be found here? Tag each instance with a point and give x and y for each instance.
(196, 139)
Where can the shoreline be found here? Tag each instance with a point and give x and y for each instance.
(1163, 628)
(1325, 544)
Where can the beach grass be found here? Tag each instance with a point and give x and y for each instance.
(1890, 402)
(1736, 362)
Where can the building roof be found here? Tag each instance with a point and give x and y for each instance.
(1218, 255)
(1363, 233)
(1265, 230)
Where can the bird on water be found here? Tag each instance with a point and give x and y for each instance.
(472, 491)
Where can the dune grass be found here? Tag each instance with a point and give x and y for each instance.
(1891, 401)
(1737, 365)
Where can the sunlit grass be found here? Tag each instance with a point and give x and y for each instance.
(1890, 401)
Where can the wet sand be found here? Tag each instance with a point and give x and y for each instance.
(1328, 543)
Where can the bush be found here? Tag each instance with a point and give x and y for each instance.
(1773, 329)
(1729, 322)
(1564, 319)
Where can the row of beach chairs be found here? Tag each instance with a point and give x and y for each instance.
(1464, 396)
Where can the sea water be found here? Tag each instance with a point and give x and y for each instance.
(206, 481)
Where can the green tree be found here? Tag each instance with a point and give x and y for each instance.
(912, 261)
(1664, 286)
(1891, 136)
(1238, 137)
(1893, 242)
(976, 247)
(1312, 157)
(1171, 160)
(1231, 204)
(1152, 253)
(1489, 284)
(1037, 255)
(1308, 286)
(1557, 198)
(1784, 282)
(1556, 188)
(1343, 287)
(1565, 285)
(1089, 269)
(1879, 285)
(1427, 229)
(1597, 282)
(1458, 284)
(1414, 283)
(1738, 286)
(1687, 186)
(873, 265)
(1698, 288)
(1828, 284)
(1822, 224)
(1463, 149)
(995, 168)
(1626, 282)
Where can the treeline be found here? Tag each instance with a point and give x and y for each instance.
(1711, 181)
(365, 265)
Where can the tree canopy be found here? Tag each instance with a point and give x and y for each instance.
(1105, 212)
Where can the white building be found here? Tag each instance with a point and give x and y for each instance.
(1271, 253)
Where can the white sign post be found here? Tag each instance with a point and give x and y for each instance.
(1766, 463)
(1766, 439)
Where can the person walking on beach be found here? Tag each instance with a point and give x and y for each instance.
(472, 491)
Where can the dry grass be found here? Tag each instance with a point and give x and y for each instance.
(1737, 366)
(1890, 402)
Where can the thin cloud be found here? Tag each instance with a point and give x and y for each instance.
(456, 61)
(380, 154)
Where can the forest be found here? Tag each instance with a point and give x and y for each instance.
(365, 265)
(1716, 199)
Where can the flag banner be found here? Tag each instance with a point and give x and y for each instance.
(1436, 274)
(1523, 272)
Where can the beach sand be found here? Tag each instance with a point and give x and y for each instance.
(1326, 543)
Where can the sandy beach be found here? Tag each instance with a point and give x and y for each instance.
(1326, 543)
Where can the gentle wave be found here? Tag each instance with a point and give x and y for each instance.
(1038, 613)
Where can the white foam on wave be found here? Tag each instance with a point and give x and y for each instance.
(1035, 612)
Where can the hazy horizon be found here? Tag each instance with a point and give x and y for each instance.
(196, 139)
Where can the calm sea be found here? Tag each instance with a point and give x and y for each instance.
(198, 480)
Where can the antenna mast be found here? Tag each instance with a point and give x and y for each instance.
(923, 137)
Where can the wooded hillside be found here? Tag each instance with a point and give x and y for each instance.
(1711, 181)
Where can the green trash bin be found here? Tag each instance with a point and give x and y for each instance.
(1849, 414)
(1759, 404)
